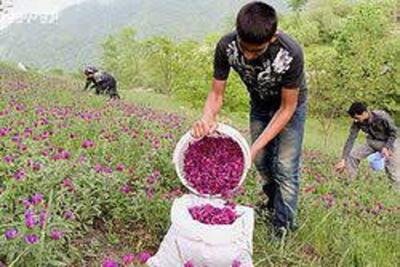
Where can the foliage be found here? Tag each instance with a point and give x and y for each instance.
(351, 54)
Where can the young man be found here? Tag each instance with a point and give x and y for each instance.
(271, 65)
(381, 137)
(102, 81)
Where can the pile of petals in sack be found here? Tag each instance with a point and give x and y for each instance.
(209, 214)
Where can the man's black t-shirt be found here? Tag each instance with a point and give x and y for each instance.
(281, 65)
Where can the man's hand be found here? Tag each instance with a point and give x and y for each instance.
(340, 166)
(387, 153)
(203, 127)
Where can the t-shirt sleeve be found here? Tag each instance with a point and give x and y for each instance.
(294, 76)
(221, 63)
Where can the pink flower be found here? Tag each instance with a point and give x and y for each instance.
(69, 215)
(125, 189)
(110, 263)
(30, 220)
(67, 183)
(128, 258)
(144, 256)
(134, 134)
(42, 218)
(8, 159)
(19, 175)
(29, 162)
(45, 135)
(63, 154)
(22, 148)
(172, 194)
(380, 206)
(4, 131)
(4, 112)
(81, 159)
(236, 263)
(11, 234)
(156, 144)
(319, 178)
(27, 132)
(27, 203)
(19, 107)
(188, 264)
(98, 168)
(120, 167)
(37, 198)
(36, 166)
(329, 200)
(16, 138)
(31, 239)
(88, 144)
(102, 169)
(56, 234)
(151, 179)
(310, 189)
(107, 170)
(150, 192)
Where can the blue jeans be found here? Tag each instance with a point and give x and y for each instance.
(279, 164)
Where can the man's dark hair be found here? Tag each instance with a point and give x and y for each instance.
(256, 23)
(90, 70)
(357, 108)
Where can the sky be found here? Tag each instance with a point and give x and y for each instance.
(42, 6)
(25, 8)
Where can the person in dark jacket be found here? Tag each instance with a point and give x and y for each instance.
(382, 137)
(103, 82)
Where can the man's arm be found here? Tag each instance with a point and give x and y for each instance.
(88, 82)
(211, 109)
(214, 101)
(391, 130)
(279, 121)
(354, 129)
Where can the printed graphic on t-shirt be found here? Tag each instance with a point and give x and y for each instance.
(265, 78)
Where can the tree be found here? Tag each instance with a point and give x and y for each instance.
(296, 5)
(368, 56)
(123, 56)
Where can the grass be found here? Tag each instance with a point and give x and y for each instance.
(315, 138)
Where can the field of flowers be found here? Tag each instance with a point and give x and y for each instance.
(89, 182)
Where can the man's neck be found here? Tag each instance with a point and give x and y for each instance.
(275, 37)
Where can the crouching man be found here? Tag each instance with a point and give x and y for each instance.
(102, 81)
(381, 137)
